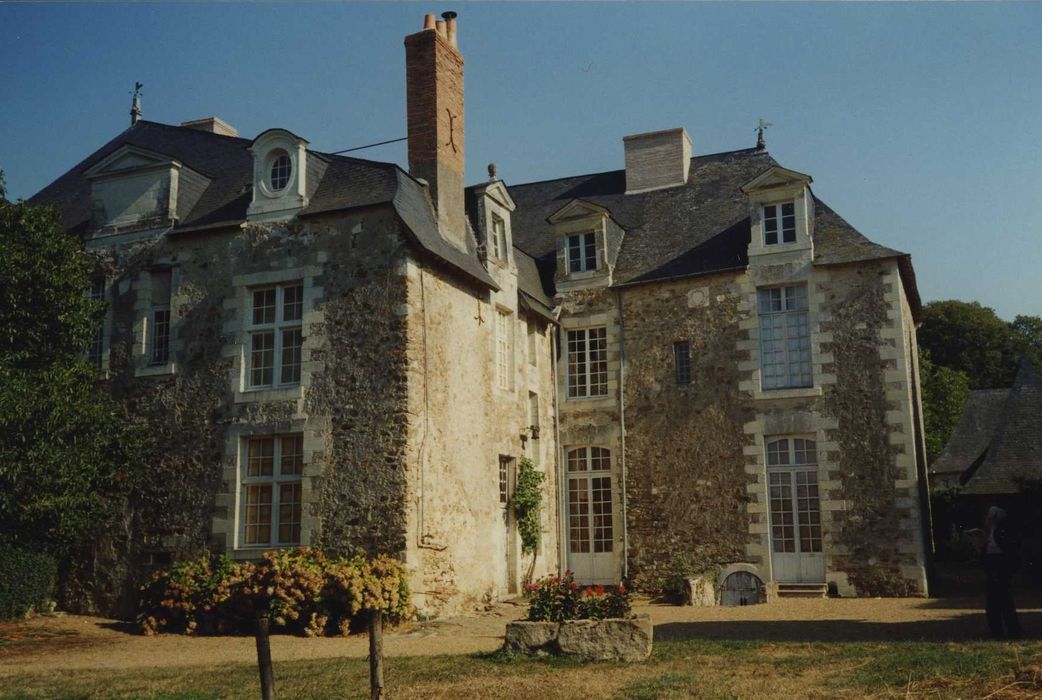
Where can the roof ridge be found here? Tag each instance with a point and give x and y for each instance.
(193, 130)
(749, 151)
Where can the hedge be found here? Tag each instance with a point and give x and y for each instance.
(26, 580)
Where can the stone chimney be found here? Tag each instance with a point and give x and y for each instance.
(215, 125)
(434, 96)
(657, 159)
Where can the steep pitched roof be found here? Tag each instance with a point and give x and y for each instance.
(1015, 452)
(973, 433)
(699, 228)
(339, 183)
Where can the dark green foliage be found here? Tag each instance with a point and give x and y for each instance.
(527, 501)
(944, 394)
(875, 581)
(26, 580)
(557, 598)
(67, 454)
(972, 339)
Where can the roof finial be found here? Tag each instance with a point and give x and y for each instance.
(135, 107)
(492, 172)
(761, 142)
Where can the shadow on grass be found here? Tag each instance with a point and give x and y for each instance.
(966, 627)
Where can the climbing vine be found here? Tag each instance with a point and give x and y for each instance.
(528, 498)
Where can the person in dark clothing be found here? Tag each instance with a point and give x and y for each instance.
(1001, 561)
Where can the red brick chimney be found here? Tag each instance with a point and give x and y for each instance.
(434, 96)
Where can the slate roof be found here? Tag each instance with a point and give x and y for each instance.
(973, 433)
(700, 228)
(343, 183)
(1015, 452)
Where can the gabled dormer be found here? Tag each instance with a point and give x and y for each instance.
(279, 175)
(588, 242)
(493, 208)
(781, 213)
(134, 189)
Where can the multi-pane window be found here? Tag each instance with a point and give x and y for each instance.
(276, 335)
(682, 361)
(587, 362)
(281, 168)
(271, 490)
(97, 343)
(504, 364)
(159, 318)
(590, 526)
(784, 337)
(779, 223)
(582, 252)
(795, 505)
(505, 466)
(499, 238)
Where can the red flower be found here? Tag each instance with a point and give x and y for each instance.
(599, 590)
(622, 588)
(574, 586)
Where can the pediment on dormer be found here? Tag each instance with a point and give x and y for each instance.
(578, 209)
(128, 159)
(776, 177)
(497, 191)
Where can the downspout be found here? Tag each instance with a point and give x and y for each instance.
(421, 527)
(622, 423)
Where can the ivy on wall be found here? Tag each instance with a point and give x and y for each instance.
(527, 503)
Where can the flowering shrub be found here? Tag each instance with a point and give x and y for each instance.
(557, 598)
(300, 590)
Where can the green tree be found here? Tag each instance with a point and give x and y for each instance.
(67, 454)
(944, 393)
(970, 338)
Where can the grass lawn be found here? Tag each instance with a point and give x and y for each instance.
(677, 669)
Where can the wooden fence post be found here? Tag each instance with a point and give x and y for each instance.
(376, 654)
(267, 674)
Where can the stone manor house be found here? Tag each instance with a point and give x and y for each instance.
(707, 362)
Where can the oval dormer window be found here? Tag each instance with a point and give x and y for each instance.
(281, 168)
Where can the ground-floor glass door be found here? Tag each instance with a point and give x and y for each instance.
(795, 511)
(591, 532)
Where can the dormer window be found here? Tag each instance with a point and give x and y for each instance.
(779, 223)
(281, 167)
(582, 252)
(499, 238)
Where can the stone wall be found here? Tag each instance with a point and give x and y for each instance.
(686, 482)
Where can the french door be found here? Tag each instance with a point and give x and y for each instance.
(591, 532)
(795, 511)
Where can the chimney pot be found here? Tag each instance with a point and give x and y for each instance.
(450, 27)
(441, 28)
(428, 21)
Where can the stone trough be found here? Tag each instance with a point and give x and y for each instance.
(614, 639)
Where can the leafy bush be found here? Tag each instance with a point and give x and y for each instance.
(26, 580)
(301, 590)
(527, 501)
(556, 598)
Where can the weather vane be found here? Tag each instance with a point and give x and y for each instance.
(135, 107)
(761, 142)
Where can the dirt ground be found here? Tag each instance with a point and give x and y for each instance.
(70, 642)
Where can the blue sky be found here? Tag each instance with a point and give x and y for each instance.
(920, 123)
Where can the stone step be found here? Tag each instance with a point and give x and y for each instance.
(803, 590)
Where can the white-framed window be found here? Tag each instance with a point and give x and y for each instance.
(590, 527)
(281, 169)
(682, 361)
(275, 335)
(582, 252)
(795, 506)
(779, 223)
(271, 490)
(504, 356)
(97, 344)
(506, 469)
(587, 362)
(159, 318)
(499, 238)
(784, 337)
